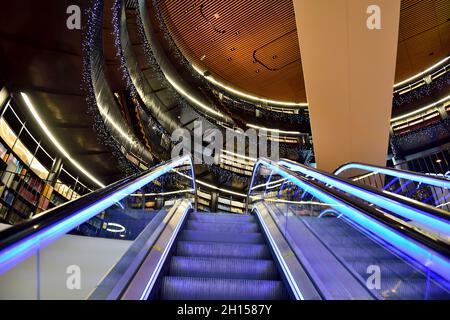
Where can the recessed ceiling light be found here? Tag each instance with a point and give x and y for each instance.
(217, 16)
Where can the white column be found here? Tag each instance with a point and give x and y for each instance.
(349, 51)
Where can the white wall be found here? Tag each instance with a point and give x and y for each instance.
(94, 256)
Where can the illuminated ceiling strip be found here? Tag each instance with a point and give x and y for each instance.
(267, 184)
(113, 123)
(191, 98)
(421, 74)
(56, 143)
(434, 104)
(249, 96)
(273, 130)
(235, 161)
(220, 189)
(162, 193)
(239, 156)
(301, 104)
(211, 186)
(120, 228)
(366, 176)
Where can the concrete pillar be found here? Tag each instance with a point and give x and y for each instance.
(349, 51)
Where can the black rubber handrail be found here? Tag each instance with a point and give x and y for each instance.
(52, 217)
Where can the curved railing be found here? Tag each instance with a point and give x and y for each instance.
(433, 190)
(21, 241)
(428, 217)
(140, 82)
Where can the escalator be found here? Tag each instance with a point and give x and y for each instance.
(343, 238)
(302, 238)
(222, 257)
(357, 251)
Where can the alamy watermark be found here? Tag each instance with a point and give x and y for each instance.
(73, 281)
(373, 282)
(73, 21)
(374, 20)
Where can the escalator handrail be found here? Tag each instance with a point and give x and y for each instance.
(440, 215)
(438, 246)
(56, 216)
(400, 173)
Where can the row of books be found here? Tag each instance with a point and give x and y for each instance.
(23, 208)
(28, 195)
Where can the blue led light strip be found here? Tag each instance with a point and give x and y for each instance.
(152, 280)
(408, 212)
(19, 251)
(416, 251)
(287, 272)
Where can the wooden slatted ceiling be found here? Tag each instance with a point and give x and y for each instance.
(424, 36)
(226, 35)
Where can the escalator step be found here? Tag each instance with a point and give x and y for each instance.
(346, 241)
(222, 250)
(222, 217)
(178, 288)
(373, 252)
(244, 227)
(223, 268)
(390, 268)
(206, 236)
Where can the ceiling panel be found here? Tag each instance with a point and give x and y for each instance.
(226, 35)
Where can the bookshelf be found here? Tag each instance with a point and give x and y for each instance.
(23, 190)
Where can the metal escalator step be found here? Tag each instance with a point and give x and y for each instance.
(179, 288)
(223, 268)
(390, 268)
(222, 250)
(373, 252)
(243, 227)
(206, 236)
(222, 217)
